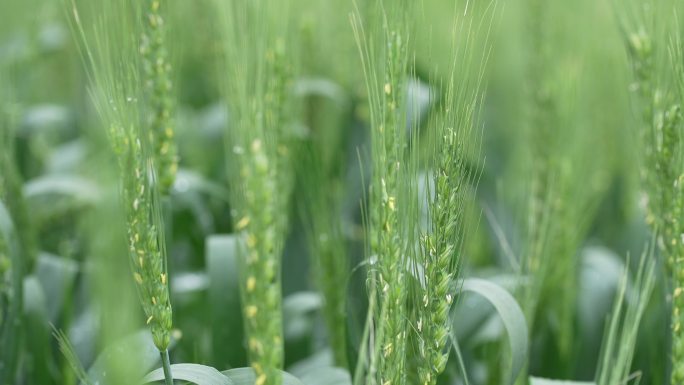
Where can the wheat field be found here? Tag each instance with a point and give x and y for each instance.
(341, 192)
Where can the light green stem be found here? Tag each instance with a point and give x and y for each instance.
(168, 377)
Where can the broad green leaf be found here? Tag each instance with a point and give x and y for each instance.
(478, 322)
(302, 302)
(197, 374)
(53, 197)
(327, 376)
(224, 298)
(57, 276)
(511, 316)
(35, 302)
(75, 187)
(245, 376)
(600, 274)
(321, 87)
(321, 358)
(545, 381)
(138, 348)
(297, 310)
(187, 180)
(68, 157)
(185, 283)
(46, 118)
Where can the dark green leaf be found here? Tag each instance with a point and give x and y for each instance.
(57, 276)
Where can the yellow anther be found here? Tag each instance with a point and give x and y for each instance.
(387, 350)
(251, 240)
(242, 223)
(251, 284)
(256, 145)
(261, 380)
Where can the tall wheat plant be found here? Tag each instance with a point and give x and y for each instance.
(257, 82)
(415, 272)
(656, 68)
(118, 47)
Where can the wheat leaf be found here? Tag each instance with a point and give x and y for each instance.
(512, 317)
(245, 376)
(197, 374)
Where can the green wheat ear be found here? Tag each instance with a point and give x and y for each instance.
(452, 143)
(159, 94)
(146, 239)
(383, 43)
(662, 175)
(116, 68)
(257, 87)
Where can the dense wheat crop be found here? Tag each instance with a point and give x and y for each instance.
(341, 192)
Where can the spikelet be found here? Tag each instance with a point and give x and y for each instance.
(145, 230)
(158, 90)
(258, 82)
(662, 171)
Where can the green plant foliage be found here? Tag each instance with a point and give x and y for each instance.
(12, 294)
(196, 374)
(512, 317)
(248, 376)
(341, 192)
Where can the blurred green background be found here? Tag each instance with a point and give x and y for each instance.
(560, 65)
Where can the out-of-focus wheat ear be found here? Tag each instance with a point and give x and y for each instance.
(158, 85)
(257, 86)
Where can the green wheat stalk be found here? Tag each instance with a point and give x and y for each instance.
(113, 61)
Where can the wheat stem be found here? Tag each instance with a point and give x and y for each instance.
(166, 363)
